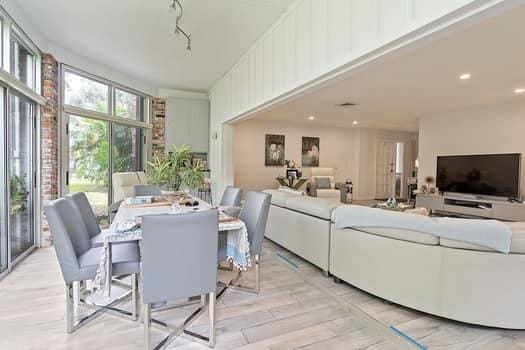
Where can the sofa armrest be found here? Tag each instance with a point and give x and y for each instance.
(343, 190)
(311, 189)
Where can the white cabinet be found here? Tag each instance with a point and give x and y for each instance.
(188, 122)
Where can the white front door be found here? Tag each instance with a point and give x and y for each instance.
(385, 169)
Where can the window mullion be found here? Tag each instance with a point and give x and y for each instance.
(6, 45)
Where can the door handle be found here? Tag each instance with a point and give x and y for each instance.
(67, 178)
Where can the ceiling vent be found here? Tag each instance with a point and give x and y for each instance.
(346, 104)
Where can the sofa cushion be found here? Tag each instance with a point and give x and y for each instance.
(312, 206)
(328, 193)
(403, 235)
(280, 197)
(322, 183)
(517, 243)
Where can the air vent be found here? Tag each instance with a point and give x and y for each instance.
(347, 104)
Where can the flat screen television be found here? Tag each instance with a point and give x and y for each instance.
(487, 174)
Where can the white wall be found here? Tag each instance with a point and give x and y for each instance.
(336, 145)
(495, 129)
(350, 151)
(314, 41)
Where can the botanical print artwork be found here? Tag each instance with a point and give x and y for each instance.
(274, 150)
(310, 151)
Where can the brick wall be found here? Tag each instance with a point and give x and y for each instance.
(158, 140)
(49, 138)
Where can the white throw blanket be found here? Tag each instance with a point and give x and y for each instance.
(487, 233)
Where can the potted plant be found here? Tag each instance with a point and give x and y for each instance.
(175, 169)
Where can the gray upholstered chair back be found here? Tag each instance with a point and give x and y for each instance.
(231, 197)
(255, 215)
(80, 202)
(182, 247)
(70, 237)
(146, 190)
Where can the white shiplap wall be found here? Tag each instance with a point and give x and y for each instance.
(313, 38)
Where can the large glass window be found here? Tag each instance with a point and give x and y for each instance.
(86, 93)
(89, 162)
(3, 193)
(101, 143)
(22, 62)
(126, 148)
(127, 105)
(19, 62)
(20, 174)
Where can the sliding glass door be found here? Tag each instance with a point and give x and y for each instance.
(20, 131)
(4, 256)
(17, 149)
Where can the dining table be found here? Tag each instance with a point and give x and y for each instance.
(125, 227)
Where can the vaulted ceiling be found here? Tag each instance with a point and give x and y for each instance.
(136, 36)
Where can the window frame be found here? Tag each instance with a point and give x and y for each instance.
(11, 30)
(144, 125)
(15, 37)
(144, 100)
(142, 103)
(94, 79)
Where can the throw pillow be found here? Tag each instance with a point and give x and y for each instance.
(322, 183)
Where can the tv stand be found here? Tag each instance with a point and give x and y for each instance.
(472, 206)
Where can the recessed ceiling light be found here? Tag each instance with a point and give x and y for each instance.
(519, 91)
(346, 104)
(311, 117)
(355, 122)
(465, 76)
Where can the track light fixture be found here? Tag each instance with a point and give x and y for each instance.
(177, 6)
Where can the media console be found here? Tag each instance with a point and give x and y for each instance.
(472, 206)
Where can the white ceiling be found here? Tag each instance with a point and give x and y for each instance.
(395, 93)
(136, 36)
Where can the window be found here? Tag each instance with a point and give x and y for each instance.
(22, 62)
(102, 143)
(126, 148)
(19, 195)
(85, 93)
(127, 105)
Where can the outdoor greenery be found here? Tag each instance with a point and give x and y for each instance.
(18, 194)
(175, 169)
(89, 138)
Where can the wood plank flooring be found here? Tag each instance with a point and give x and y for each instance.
(297, 308)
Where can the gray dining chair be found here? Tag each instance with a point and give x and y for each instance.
(255, 215)
(231, 197)
(79, 261)
(81, 203)
(146, 190)
(179, 260)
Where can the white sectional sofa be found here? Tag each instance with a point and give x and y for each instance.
(452, 279)
(302, 225)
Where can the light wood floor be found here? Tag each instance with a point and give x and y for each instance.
(297, 308)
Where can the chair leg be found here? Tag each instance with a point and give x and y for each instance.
(146, 315)
(211, 310)
(134, 296)
(256, 288)
(69, 308)
(257, 274)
